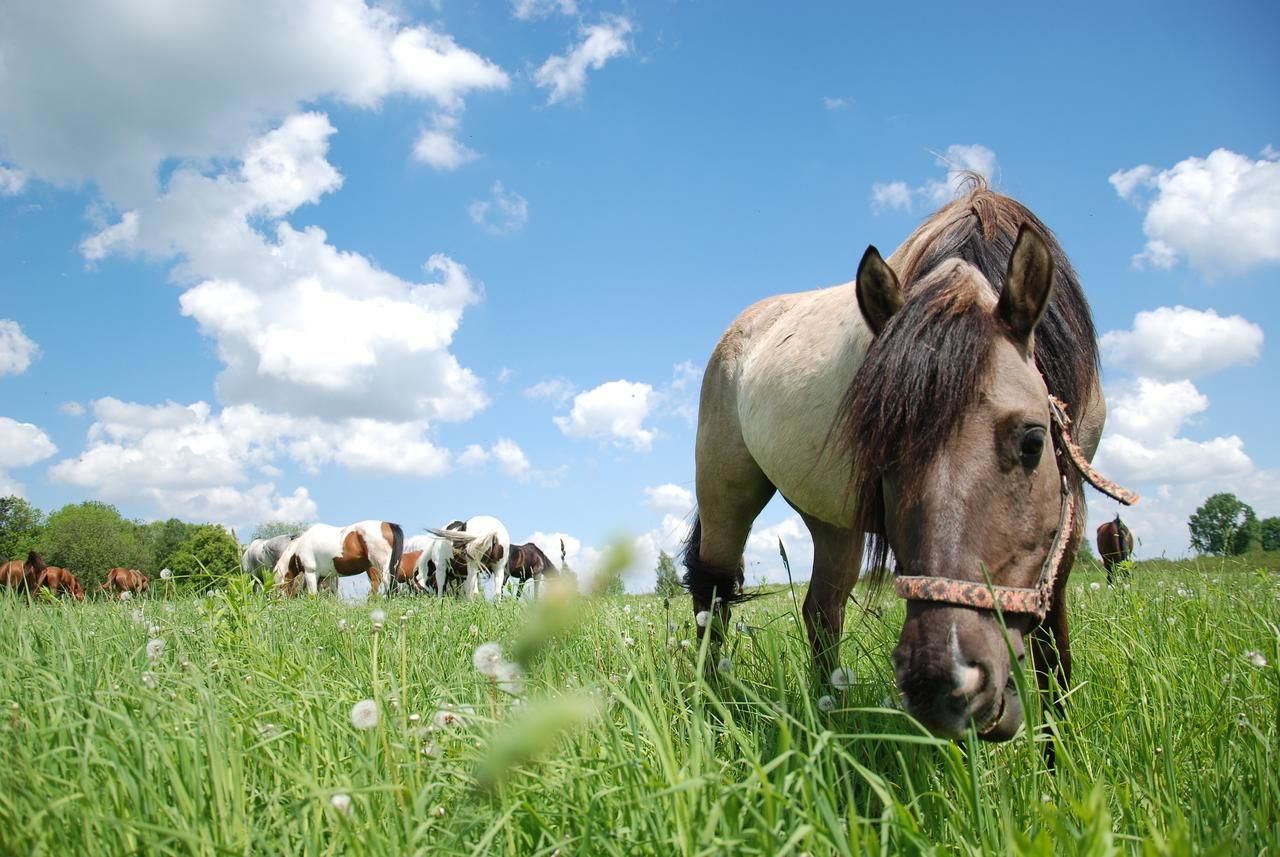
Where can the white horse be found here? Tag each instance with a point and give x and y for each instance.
(326, 553)
(485, 544)
(435, 554)
(262, 554)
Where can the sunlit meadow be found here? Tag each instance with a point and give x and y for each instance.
(236, 723)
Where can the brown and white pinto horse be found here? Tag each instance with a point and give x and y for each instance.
(60, 581)
(326, 553)
(126, 580)
(480, 545)
(1115, 544)
(527, 562)
(22, 576)
(915, 405)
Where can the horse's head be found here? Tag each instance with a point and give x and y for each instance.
(956, 473)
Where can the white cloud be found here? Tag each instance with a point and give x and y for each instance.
(1178, 342)
(473, 455)
(16, 349)
(72, 409)
(614, 411)
(512, 459)
(527, 10)
(763, 560)
(21, 445)
(1141, 444)
(565, 77)
(559, 390)
(509, 210)
(278, 306)
(137, 84)
(12, 181)
(438, 146)
(670, 498)
(1220, 213)
(959, 160)
(835, 103)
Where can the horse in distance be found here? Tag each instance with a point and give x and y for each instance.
(481, 544)
(123, 580)
(925, 406)
(1115, 545)
(22, 576)
(261, 556)
(528, 562)
(59, 581)
(324, 553)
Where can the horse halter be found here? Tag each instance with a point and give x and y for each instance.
(1016, 599)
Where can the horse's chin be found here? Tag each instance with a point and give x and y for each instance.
(1004, 720)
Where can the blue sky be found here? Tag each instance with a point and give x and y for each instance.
(418, 261)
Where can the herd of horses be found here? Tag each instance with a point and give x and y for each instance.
(941, 409)
(33, 575)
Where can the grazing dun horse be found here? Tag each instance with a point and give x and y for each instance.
(124, 580)
(326, 553)
(481, 542)
(261, 556)
(1115, 544)
(926, 405)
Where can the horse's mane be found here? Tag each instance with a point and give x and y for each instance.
(923, 371)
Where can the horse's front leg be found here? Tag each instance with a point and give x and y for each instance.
(499, 580)
(472, 585)
(837, 559)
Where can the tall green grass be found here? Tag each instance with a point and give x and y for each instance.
(235, 739)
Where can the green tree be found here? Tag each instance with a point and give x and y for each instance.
(165, 537)
(205, 559)
(1269, 533)
(90, 539)
(21, 526)
(1223, 525)
(668, 578)
(270, 529)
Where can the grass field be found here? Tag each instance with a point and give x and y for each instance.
(235, 735)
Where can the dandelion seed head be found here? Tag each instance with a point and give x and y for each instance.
(431, 750)
(843, 678)
(1095, 586)
(1172, 620)
(378, 616)
(1256, 658)
(510, 678)
(826, 703)
(342, 626)
(628, 641)
(626, 609)
(686, 645)
(126, 596)
(364, 714)
(138, 616)
(148, 678)
(155, 648)
(342, 803)
(702, 618)
(165, 574)
(487, 658)
(475, 630)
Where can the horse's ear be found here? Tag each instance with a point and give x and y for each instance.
(879, 294)
(1027, 286)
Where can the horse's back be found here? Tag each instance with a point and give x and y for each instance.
(777, 378)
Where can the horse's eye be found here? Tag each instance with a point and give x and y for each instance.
(1031, 446)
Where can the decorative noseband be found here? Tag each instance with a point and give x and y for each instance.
(1015, 599)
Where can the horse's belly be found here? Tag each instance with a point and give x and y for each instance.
(793, 378)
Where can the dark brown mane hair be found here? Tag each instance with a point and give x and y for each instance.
(926, 367)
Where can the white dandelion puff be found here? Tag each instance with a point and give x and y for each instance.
(438, 812)
(1095, 586)
(725, 665)
(826, 703)
(154, 630)
(138, 616)
(1172, 621)
(510, 678)
(475, 630)
(487, 658)
(378, 616)
(342, 803)
(702, 618)
(431, 750)
(148, 678)
(628, 641)
(364, 714)
(626, 609)
(126, 596)
(843, 678)
(342, 626)
(155, 648)
(1255, 658)
(686, 645)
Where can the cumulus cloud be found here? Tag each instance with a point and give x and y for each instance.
(12, 181)
(614, 411)
(559, 390)
(21, 445)
(16, 349)
(507, 454)
(136, 85)
(438, 146)
(565, 77)
(670, 498)
(1141, 444)
(1178, 342)
(834, 103)
(763, 560)
(72, 409)
(1220, 213)
(502, 213)
(278, 304)
(959, 160)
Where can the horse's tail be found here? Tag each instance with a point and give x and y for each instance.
(397, 551)
(705, 581)
(246, 558)
(280, 572)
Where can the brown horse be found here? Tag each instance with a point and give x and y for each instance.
(19, 575)
(60, 581)
(1115, 544)
(914, 406)
(126, 580)
(527, 562)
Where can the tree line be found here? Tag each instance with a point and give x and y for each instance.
(91, 538)
(1227, 526)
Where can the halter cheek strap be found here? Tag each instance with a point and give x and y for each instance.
(1016, 599)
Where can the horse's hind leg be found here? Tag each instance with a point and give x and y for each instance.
(837, 559)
